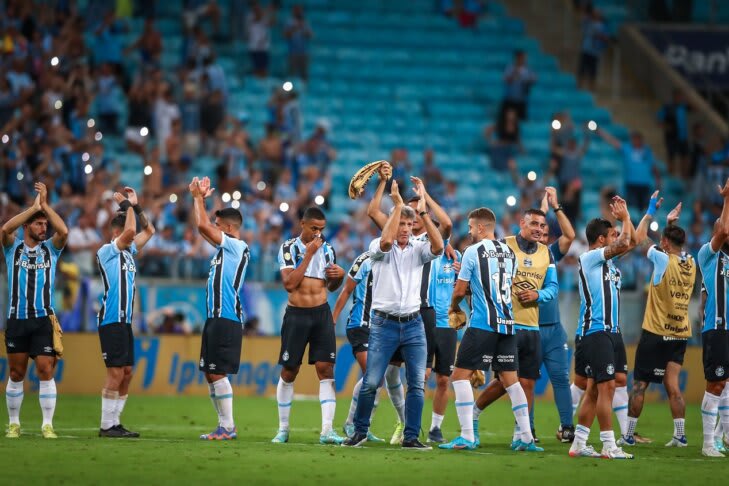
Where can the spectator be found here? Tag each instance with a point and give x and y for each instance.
(640, 171)
(252, 327)
(83, 242)
(568, 170)
(173, 323)
(216, 76)
(107, 104)
(503, 139)
(433, 175)
(518, 81)
(190, 116)
(298, 34)
(165, 111)
(697, 150)
(258, 25)
(270, 151)
(195, 10)
(465, 12)
(674, 120)
(108, 44)
(595, 39)
(149, 44)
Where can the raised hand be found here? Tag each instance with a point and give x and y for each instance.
(195, 187)
(418, 183)
(118, 198)
(654, 204)
(385, 171)
(724, 191)
(551, 194)
(395, 194)
(131, 195)
(674, 214)
(619, 208)
(205, 187)
(314, 245)
(42, 191)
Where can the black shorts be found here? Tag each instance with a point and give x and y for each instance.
(603, 355)
(529, 353)
(307, 325)
(428, 316)
(716, 354)
(359, 338)
(32, 336)
(117, 344)
(480, 349)
(587, 65)
(654, 353)
(445, 344)
(222, 340)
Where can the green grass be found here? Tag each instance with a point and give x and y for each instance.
(169, 450)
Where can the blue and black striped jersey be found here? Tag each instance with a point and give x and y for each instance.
(599, 285)
(31, 274)
(118, 272)
(225, 279)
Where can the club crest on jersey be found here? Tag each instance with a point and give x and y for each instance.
(447, 267)
(719, 371)
(355, 267)
(528, 262)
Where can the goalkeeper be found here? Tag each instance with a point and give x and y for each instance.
(488, 268)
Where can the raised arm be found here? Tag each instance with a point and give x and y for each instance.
(641, 232)
(609, 138)
(200, 190)
(721, 230)
(446, 225)
(148, 230)
(54, 220)
(434, 236)
(126, 238)
(389, 231)
(7, 232)
(622, 244)
(374, 210)
(568, 232)
(349, 286)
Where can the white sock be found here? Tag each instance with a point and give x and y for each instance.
(516, 435)
(679, 427)
(521, 411)
(353, 404)
(464, 407)
(724, 409)
(224, 396)
(120, 402)
(395, 391)
(718, 430)
(608, 439)
(709, 412)
(620, 407)
(436, 421)
(328, 400)
(476, 412)
(211, 389)
(576, 393)
(582, 434)
(14, 398)
(47, 398)
(108, 407)
(284, 397)
(632, 424)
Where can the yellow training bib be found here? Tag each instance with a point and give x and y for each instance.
(530, 273)
(666, 312)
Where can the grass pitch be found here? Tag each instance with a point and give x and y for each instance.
(169, 450)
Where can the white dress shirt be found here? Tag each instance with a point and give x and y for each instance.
(396, 276)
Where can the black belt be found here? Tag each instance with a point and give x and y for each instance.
(393, 317)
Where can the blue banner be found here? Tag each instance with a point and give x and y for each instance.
(700, 55)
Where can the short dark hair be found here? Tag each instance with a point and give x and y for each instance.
(413, 199)
(313, 213)
(35, 216)
(674, 234)
(483, 214)
(535, 212)
(230, 214)
(596, 228)
(119, 220)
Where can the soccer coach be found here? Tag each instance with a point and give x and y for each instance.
(397, 267)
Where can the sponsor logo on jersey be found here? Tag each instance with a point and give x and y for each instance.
(35, 266)
(659, 372)
(487, 358)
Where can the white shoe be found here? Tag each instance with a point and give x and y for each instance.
(677, 442)
(586, 451)
(615, 453)
(711, 452)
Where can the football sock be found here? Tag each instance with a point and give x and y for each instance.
(121, 401)
(709, 412)
(724, 409)
(47, 398)
(211, 389)
(582, 433)
(476, 412)
(608, 439)
(679, 427)
(108, 406)
(620, 407)
(224, 396)
(353, 404)
(284, 397)
(14, 398)
(632, 424)
(576, 393)
(521, 411)
(436, 421)
(328, 400)
(396, 391)
(464, 407)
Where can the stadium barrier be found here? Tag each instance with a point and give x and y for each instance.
(168, 365)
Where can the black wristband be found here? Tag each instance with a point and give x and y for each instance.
(124, 205)
(558, 209)
(422, 213)
(137, 209)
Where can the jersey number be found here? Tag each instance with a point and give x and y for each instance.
(502, 281)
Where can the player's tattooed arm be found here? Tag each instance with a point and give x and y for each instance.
(721, 229)
(374, 210)
(7, 232)
(623, 244)
(125, 239)
(147, 228)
